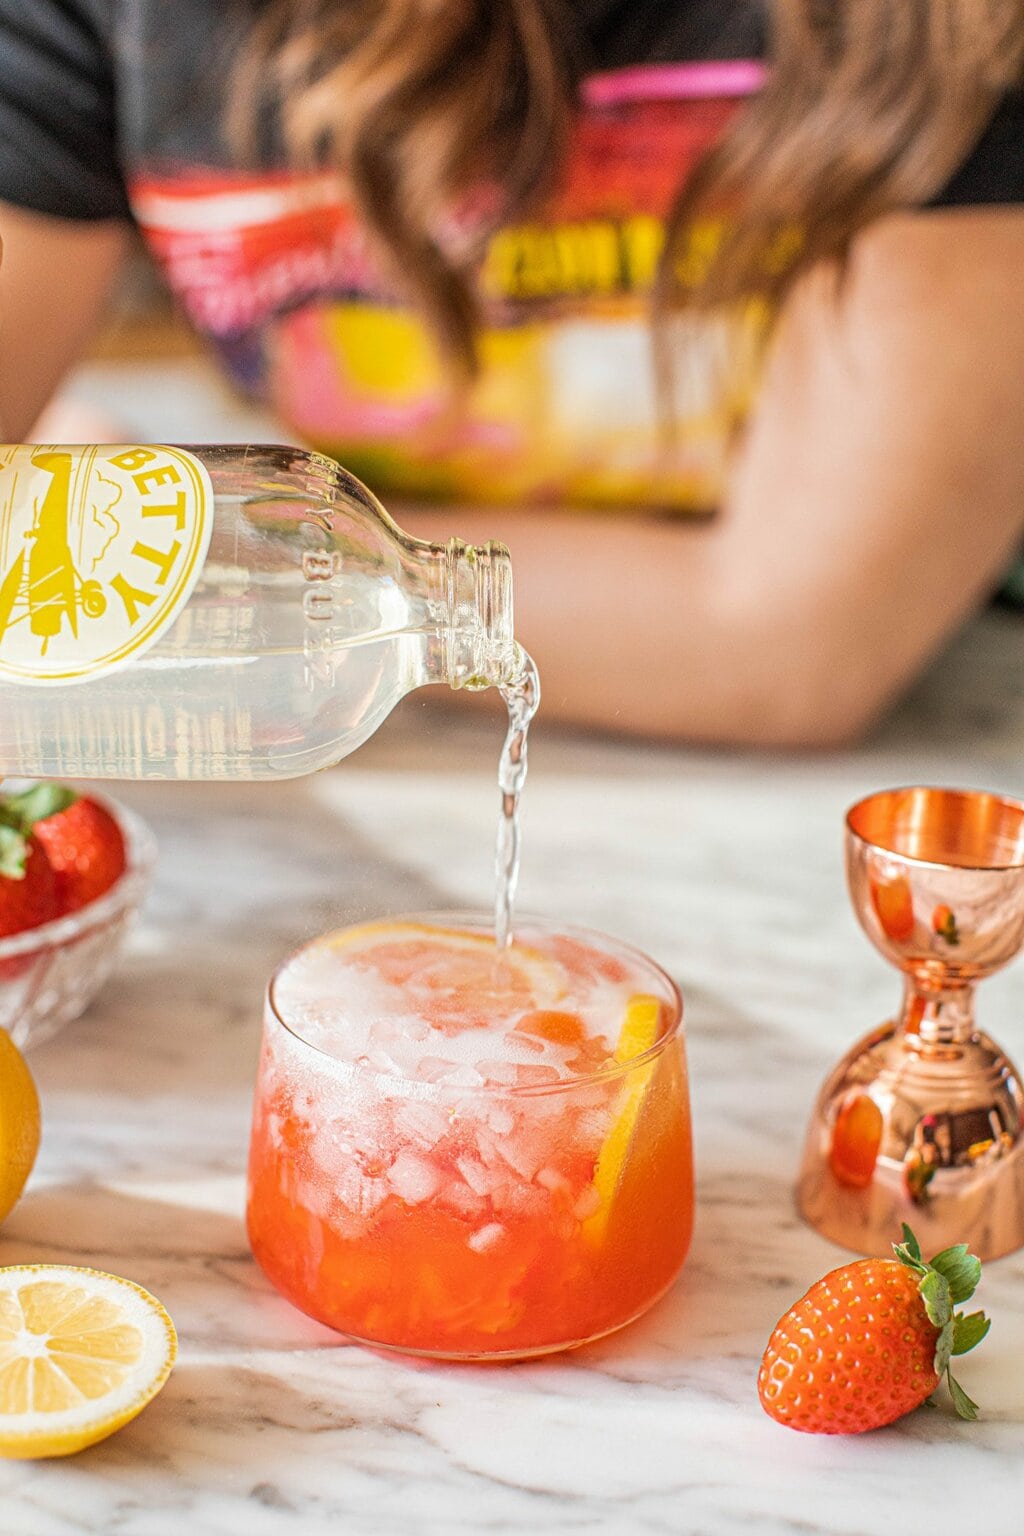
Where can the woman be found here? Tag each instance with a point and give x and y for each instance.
(429, 231)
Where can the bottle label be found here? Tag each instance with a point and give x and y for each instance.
(100, 549)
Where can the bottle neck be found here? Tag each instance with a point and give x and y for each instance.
(460, 595)
(472, 598)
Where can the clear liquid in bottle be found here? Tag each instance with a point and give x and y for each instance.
(304, 616)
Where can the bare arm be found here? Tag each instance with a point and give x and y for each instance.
(876, 499)
(55, 278)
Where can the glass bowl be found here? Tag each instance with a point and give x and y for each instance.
(50, 974)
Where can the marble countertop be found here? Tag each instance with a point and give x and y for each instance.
(727, 869)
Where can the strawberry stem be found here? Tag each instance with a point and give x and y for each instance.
(951, 1277)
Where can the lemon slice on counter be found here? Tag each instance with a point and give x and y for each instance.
(19, 1124)
(81, 1353)
(639, 1031)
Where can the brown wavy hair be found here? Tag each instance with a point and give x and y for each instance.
(868, 106)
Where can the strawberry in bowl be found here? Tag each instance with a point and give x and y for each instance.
(73, 870)
(80, 837)
(28, 886)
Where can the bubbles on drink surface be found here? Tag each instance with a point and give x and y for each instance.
(429, 1004)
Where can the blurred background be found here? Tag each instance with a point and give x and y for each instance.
(147, 377)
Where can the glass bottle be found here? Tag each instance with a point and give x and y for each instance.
(222, 612)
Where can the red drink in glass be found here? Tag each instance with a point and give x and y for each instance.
(471, 1153)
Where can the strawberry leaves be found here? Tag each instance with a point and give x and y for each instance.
(965, 1406)
(38, 803)
(935, 1295)
(13, 853)
(909, 1251)
(950, 1278)
(969, 1331)
(961, 1269)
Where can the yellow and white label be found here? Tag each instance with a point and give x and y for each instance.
(100, 549)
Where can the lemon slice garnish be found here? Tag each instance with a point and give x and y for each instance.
(19, 1124)
(639, 1031)
(81, 1353)
(527, 971)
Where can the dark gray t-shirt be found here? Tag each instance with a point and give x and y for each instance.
(89, 89)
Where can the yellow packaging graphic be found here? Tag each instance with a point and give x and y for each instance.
(100, 548)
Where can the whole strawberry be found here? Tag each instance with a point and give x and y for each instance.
(871, 1341)
(81, 839)
(28, 888)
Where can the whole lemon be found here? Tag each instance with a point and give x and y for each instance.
(19, 1124)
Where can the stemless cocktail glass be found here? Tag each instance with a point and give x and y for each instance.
(466, 1154)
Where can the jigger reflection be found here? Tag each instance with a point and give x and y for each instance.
(922, 1120)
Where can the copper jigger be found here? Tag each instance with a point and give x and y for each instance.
(922, 1120)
